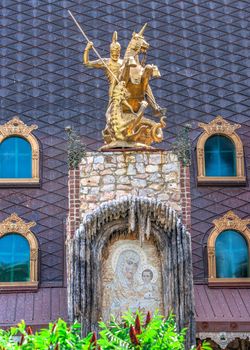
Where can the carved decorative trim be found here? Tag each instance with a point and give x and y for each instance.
(14, 224)
(16, 127)
(220, 126)
(223, 338)
(230, 221)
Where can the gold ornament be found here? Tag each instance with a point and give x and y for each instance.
(15, 224)
(219, 125)
(15, 127)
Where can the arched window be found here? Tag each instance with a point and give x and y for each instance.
(19, 153)
(15, 158)
(228, 251)
(14, 258)
(220, 156)
(231, 253)
(18, 254)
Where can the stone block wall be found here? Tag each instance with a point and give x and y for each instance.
(104, 176)
(108, 175)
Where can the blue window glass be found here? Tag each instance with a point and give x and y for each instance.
(231, 251)
(14, 258)
(15, 158)
(220, 157)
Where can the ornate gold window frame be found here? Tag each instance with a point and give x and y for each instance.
(229, 221)
(220, 126)
(15, 127)
(14, 224)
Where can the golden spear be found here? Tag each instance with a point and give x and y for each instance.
(94, 49)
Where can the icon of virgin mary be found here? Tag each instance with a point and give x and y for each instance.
(122, 290)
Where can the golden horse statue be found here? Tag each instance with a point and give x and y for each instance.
(129, 96)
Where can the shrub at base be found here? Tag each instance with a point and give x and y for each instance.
(134, 332)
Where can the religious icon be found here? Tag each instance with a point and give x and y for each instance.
(132, 283)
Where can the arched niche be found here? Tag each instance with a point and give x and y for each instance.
(134, 218)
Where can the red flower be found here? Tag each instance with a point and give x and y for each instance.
(199, 346)
(148, 318)
(29, 330)
(93, 340)
(137, 325)
(132, 335)
(21, 340)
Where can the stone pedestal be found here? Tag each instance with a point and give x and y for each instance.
(108, 175)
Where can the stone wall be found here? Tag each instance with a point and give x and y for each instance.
(106, 176)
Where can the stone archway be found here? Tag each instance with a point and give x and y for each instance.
(142, 219)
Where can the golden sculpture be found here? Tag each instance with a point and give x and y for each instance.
(109, 65)
(129, 94)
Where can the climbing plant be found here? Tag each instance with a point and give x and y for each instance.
(76, 149)
(182, 145)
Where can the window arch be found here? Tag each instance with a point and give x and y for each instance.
(220, 156)
(18, 254)
(231, 254)
(19, 153)
(14, 258)
(228, 251)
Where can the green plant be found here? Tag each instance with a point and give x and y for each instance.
(57, 336)
(138, 332)
(182, 146)
(134, 332)
(76, 149)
